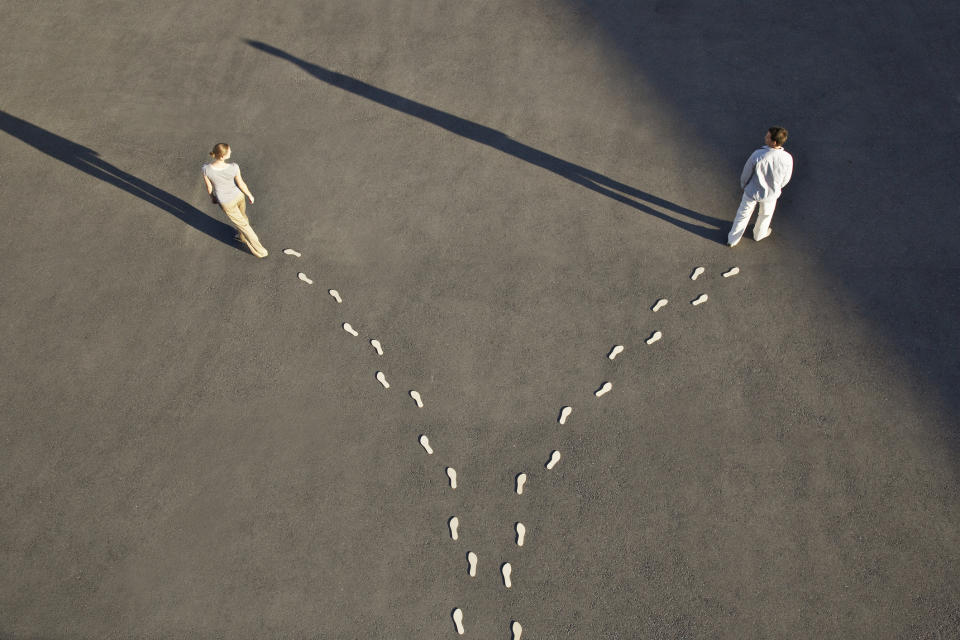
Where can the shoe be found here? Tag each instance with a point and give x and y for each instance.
(766, 235)
(733, 244)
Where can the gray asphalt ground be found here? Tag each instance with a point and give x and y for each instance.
(193, 447)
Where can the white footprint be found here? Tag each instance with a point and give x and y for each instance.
(349, 329)
(304, 277)
(377, 346)
(697, 273)
(516, 629)
(521, 532)
(506, 570)
(661, 303)
(452, 474)
(454, 527)
(699, 300)
(656, 335)
(458, 620)
(734, 271)
(336, 295)
(521, 480)
(292, 252)
(564, 414)
(554, 459)
(617, 350)
(425, 443)
(605, 388)
(472, 563)
(382, 379)
(416, 398)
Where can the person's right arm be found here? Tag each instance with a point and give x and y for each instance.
(788, 171)
(238, 179)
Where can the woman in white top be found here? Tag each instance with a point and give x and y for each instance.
(227, 188)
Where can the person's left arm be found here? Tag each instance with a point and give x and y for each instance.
(209, 184)
(748, 169)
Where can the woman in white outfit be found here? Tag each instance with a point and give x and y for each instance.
(227, 188)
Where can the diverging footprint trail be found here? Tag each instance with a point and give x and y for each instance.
(454, 531)
(568, 412)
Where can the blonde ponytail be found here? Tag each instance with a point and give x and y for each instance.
(219, 150)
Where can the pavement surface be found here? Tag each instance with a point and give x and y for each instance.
(192, 447)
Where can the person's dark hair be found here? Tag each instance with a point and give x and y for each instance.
(219, 150)
(778, 135)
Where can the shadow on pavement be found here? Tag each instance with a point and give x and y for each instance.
(89, 161)
(854, 85)
(592, 180)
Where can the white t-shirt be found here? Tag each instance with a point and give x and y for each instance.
(224, 186)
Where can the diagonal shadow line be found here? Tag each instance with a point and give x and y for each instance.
(90, 162)
(592, 180)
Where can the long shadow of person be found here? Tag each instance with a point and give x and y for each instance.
(592, 180)
(90, 162)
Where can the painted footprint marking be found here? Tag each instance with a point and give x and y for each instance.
(521, 480)
(732, 272)
(554, 459)
(452, 474)
(425, 443)
(416, 398)
(458, 620)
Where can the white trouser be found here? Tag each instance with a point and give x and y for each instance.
(764, 214)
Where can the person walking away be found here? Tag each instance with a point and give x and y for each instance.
(766, 173)
(227, 188)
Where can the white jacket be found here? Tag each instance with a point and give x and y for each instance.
(767, 171)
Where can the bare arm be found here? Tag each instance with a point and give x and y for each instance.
(209, 184)
(243, 186)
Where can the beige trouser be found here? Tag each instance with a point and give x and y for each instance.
(237, 212)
